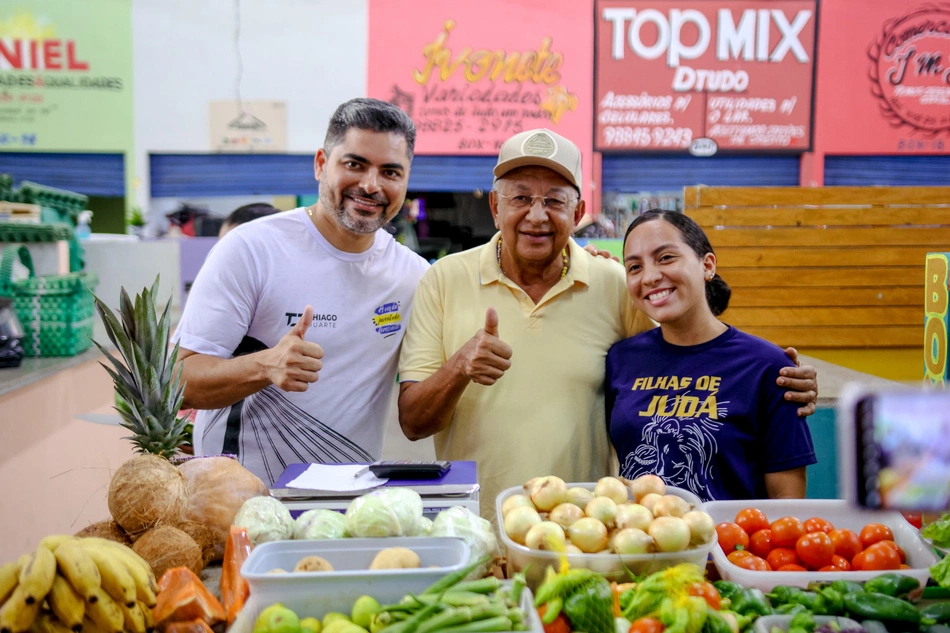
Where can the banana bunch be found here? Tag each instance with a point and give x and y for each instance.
(74, 584)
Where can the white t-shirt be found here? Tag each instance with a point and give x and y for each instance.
(256, 283)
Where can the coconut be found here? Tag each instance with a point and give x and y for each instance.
(166, 547)
(147, 491)
(203, 536)
(107, 529)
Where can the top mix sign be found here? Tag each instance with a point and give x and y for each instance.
(738, 73)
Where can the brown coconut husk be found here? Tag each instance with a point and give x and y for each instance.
(203, 536)
(165, 547)
(107, 529)
(147, 491)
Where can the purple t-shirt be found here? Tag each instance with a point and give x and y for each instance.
(708, 418)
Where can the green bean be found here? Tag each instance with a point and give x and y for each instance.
(454, 578)
(482, 585)
(455, 599)
(500, 623)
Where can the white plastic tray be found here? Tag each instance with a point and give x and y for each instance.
(610, 565)
(842, 515)
(318, 592)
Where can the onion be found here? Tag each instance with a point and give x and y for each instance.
(671, 534)
(646, 484)
(612, 488)
(649, 501)
(702, 529)
(570, 548)
(566, 514)
(546, 535)
(519, 521)
(579, 496)
(590, 535)
(515, 501)
(603, 509)
(633, 541)
(548, 492)
(633, 515)
(670, 506)
(528, 485)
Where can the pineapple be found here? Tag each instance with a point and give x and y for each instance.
(148, 385)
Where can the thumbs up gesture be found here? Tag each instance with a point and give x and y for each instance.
(294, 362)
(485, 357)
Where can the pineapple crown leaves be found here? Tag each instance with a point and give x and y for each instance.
(149, 382)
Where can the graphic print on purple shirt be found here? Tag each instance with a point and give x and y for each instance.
(708, 418)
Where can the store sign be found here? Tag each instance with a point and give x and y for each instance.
(65, 70)
(737, 73)
(248, 126)
(936, 319)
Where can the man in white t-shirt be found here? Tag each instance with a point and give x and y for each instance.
(290, 337)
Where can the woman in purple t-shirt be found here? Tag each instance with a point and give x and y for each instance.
(695, 401)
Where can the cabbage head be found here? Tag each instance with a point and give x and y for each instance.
(477, 532)
(425, 526)
(386, 512)
(266, 519)
(320, 524)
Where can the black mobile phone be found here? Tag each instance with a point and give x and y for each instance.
(902, 456)
(410, 469)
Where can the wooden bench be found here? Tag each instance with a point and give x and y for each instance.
(826, 267)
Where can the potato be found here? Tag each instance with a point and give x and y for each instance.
(396, 558)
(277, 570)
(313, 563)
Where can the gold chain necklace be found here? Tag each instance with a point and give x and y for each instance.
(563, 258)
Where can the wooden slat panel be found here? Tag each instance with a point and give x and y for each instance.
(799, 216)
(898, 336)
(814, 257)
(767, 297)
(762, 196)
(814, 277)
(823, 316)
(831, 237)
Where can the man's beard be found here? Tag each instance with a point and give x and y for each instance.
(354, 223)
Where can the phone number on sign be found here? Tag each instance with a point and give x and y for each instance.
(648, 137)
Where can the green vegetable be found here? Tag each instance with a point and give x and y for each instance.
(935, 593)
(518, 582)
(782, 593)
(553, 610)
(690, 617)
(715, 623)
(834, 601)
(790, 609)
(749, 601)
(454, 578)
(562, 585)
(812, 601)
(500, 623)
(726, 588)
(798, 629)
(844, 587)
(877, 606)
(873, 626)
(891, 584)
(938, 531)
(941, 572)
(482, 585)
(939, 612)
(591, 607)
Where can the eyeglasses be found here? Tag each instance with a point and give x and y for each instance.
(524, 201)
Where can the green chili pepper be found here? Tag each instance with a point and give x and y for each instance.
(939, 612)
(812, 601)
(877, 606)
(726, 588)
(804, 620)
(834, 601)
(790, 609)
(844, 587)
(782, 593)
(891, 584)
(750, 601)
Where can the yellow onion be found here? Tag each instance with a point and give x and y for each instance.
(546, 535)
(633, 515)
(671, 534)
(589, 535)
(603, 509)
(515, 501)
(519, 521)
(579, 496)
(548, 492)
(671, 506)
(566, 514)
(702, 529)
(633, 541)
(612, 488)
(649, 502)
(646, 484)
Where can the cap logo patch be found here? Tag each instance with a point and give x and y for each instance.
(539, 144)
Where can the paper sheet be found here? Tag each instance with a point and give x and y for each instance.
(336, 477)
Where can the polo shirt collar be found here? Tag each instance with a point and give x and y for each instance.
(489, 271)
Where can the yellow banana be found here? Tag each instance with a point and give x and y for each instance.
(9, 578)
(88, 626)
(37, 570)
(145, 585)
(105, 612)
(45, 623)
(68, 605)
(115, 577)
(76, 565)
(147, 615)
(134, 618)
(53, 541)
(16, 615)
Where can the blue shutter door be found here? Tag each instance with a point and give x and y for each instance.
(452, 173)
(89, 174)
(921, 171)
(632, 173)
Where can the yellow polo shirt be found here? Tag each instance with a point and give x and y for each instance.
(545, 416)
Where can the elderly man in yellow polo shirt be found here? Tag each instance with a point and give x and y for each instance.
(524, 395)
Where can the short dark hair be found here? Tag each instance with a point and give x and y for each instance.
(250, 212)
(717, 290)
(373, 115)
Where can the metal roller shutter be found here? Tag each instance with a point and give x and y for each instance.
(631, 173)
(89, 174)
(452, 173)
(921, 171)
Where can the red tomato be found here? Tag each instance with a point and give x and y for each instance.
(816, 524)
(857, 563)
(880, 557)
(754, 563)
(840, 563)
(752, 520)
(786, 532)
(815, 549)
(646, 625)
(914, 519)
(760, 543)
(903, 566)
(782, 556)
(875, 532)
(707, 592)
(732, 537)
(791, 567)
(847, 544)
(738, 555)
(897, 548)
(560, 625)
(829, 568)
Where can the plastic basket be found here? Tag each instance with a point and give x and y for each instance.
(57, 311)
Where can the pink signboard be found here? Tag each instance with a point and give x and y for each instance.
(704, 75)
(472, 74)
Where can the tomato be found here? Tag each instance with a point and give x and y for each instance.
(903, 566)
(840, 563)
(829, 568)
(739, 554)
(782, 556)
(732, 537)
(752, 520)
(815, 549)
(914, 518)
(896, 548)
(646, 625)
(847, 544)
(786, 532)
(760, 543)
(857, 563)
(880, 557)
(707, 592)
(791, 567)
(560, 625)
(754, 563)
(816, 524)
(875, 532)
